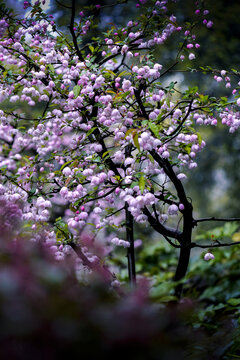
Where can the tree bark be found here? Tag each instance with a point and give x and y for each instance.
(185, 249)
(183, 262)
(131, 251)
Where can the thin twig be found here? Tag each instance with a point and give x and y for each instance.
(216, 219)
(193, 245)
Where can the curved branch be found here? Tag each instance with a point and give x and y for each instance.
(169, 69)
(162, 229)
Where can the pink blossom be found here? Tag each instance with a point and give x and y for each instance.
(181, 207)
(173, 209)
(209, 256)
(209, 24)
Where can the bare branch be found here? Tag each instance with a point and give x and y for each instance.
(193, 245)
(212, 218)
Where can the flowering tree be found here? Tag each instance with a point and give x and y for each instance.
(107, 142)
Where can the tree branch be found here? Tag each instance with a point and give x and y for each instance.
(188, 223)
(160, 228)
(71, 26)
(167, 167)
(102, 270)
(137, 93)
(169, 69)
(212, 218)
(174, 133)
(193, 245)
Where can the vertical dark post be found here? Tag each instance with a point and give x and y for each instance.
(130, 253)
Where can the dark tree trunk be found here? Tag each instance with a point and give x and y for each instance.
(131, 251)
(185, 249)
(182, 267)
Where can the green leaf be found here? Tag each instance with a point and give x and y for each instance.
(151, 158)
(91, 131)
(233, 302)
(3, 168)
(199, 138)
(171, 85)
(136, 143)
(105, 154)
(188, 148)
(154, 128)
(76, 90)
(162, 290)
(123, 73)
(91, 48)
(203, 98)
(128, 132)
(32, 192)
(66, 164)
(141, 183)
(51, 67)
(124, 95)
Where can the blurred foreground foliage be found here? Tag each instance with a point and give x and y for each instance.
(45, 312)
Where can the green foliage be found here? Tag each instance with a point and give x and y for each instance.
(211, 288)
(222, 232)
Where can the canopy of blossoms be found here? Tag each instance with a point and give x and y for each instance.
(110, 143)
